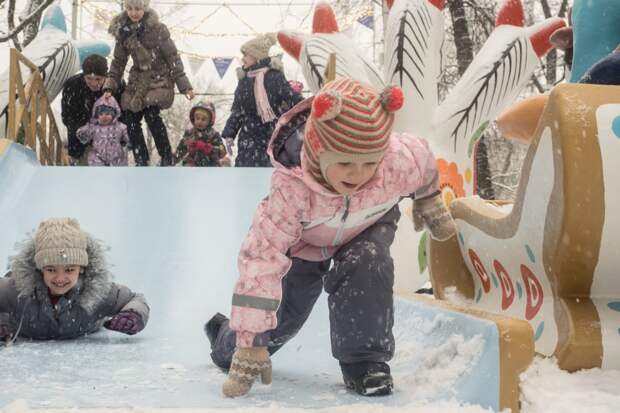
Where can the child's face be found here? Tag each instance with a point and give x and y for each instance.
(60, 278)
(348, 177)
(105, 118)
(201, 119)
(135, 13)
(248, 61)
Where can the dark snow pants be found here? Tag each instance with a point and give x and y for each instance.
(361, 305)
(156, 125)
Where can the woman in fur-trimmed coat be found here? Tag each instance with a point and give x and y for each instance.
(262, 95)
(33, 304)
(156, 68)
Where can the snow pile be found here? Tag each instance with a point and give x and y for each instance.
(546, 388)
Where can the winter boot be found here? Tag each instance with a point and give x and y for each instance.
(212, 327)
(368, 378)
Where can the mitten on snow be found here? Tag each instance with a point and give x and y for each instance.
(432, 213)
(127, 322)
(6, 332)
(247, 364)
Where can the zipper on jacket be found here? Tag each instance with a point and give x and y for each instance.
(345, 214)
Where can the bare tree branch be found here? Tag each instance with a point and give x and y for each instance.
(26, 21)
(11, 22)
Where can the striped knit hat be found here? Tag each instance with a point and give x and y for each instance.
(60, 241)
(349, 119)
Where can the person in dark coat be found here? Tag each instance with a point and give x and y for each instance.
(59, 287)
(262, 95)
(79, 94)
(156, 67)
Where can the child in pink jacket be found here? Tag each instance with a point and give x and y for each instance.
(337, 202)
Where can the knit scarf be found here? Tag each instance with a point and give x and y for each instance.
(260, 95)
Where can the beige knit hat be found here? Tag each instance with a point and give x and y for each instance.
(259, 46)
(59, 241)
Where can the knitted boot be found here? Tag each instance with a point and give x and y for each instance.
(432, 213)
(247, 364)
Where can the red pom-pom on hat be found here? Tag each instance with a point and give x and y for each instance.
(392, 98)
(326, 105)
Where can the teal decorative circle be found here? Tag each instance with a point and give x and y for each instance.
(519, 290)
(615, 126)
(461, 238)
(614, 305)
(539, 330)
(479, 295)
(494, 280)
(530, 254)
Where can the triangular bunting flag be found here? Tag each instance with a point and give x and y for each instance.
(221, 65)
(368, 21)
(195, 63)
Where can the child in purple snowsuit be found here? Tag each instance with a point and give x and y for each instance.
(107, 135)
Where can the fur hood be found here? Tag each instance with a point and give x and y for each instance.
(93, 286)
(149, 21)
(274, 63)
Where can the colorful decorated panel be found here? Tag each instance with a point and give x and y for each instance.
(551, 259)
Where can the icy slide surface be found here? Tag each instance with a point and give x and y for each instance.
(174, 235)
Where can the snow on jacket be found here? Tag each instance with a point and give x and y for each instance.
(109, 141)
(25, 303)
(244, 119)
(156, 66)
(300, 218)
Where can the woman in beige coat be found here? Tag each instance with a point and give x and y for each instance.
(150, 87)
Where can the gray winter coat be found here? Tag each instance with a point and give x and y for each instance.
(26, 306)
(157, 65)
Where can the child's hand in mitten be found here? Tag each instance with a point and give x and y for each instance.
(247, 364)
(127, 322)
(432, 213)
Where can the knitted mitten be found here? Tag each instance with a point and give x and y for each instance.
(247, 364)
(433, 213)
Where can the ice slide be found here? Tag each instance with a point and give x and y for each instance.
(174, 234)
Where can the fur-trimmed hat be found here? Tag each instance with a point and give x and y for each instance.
(208, 107)
(95, 65)
(60, 241)
(140, 4)
(259, 46)
(349, 119)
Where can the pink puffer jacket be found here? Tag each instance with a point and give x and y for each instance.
(305, 219)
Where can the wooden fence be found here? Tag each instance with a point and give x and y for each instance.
(30, 115)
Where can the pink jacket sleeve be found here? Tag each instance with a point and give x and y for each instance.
(426, 163)
(263, 261)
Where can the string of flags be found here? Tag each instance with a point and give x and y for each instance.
(102, 16)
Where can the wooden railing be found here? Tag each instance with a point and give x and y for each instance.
(30, 113)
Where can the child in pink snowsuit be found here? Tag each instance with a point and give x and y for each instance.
(328, 223)
(107, 135)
